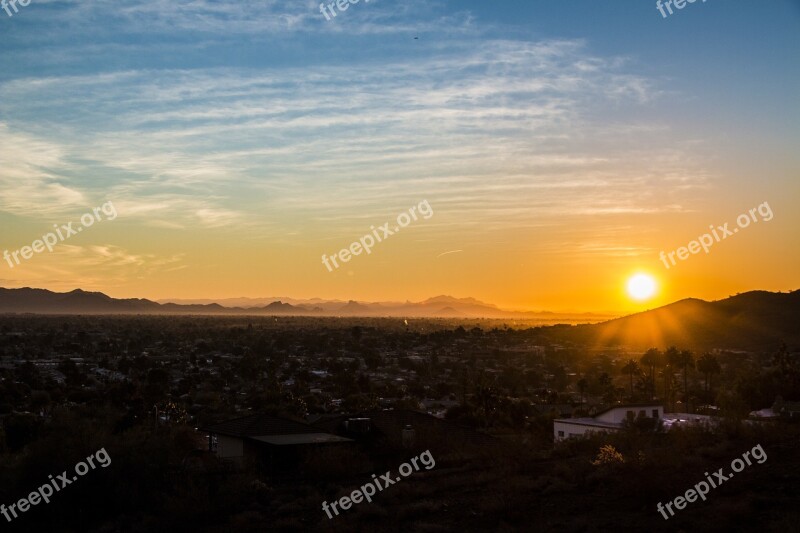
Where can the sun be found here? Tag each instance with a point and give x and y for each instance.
(641, 287)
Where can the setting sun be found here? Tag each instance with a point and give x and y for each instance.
(641, 287)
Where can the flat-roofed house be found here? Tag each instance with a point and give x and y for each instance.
(267, 442)
(611, 419)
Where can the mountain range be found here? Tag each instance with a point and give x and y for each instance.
(751, 320)
(42, 301)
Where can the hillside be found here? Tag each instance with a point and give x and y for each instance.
(747, 321)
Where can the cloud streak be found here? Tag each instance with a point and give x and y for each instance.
(504, 133)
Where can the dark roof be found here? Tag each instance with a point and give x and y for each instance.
(387, 420)
(591, 422)
(260, 425)
(311, 438)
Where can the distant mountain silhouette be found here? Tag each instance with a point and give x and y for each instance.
(280, 308)
(450, 312)
(750, 321)
(439, 306)
(448, 300)
(43, 301)
(353, 308)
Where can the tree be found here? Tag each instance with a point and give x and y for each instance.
(560, 378)
(709, 365)
(582, 385)
(667, 375)
(782, 360)
(673, 357)
(20, 430)
(29, 374)
(606, 386)
(651, 359)
(684, 361)
(486, 399)
(73, 374)
(156, 387)
(40, 401)
(631, 368)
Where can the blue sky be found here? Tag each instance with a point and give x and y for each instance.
(261, 120)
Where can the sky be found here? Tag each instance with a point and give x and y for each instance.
(561, 147)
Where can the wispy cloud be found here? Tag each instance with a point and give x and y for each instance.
(502, 132)
(32, 175)
(448, 253)
(90, 267)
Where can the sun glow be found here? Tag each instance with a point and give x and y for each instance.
(641, 287)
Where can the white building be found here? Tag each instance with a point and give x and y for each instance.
(686, 419)
(609, 420)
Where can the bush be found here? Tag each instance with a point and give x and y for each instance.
(608, 456)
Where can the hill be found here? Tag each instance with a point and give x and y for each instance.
(748, 321)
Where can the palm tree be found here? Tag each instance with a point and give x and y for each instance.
(666, 374)
(582, 385)
(661, 362)
(673, 358)
(651, 359)
(485, 398)
(686, 361)
(631, 368)
(709, 365)
(671, 354)
(607, 385)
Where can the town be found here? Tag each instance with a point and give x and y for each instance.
(259, 393)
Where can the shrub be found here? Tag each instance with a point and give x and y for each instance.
(608, 456)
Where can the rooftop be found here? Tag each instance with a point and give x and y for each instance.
(309, 438)
(589, 422)
(260, 425)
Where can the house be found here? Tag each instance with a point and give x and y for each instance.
(269, 443)
(608, 420)
(671, 420)
(779, 409)
(404, 428)
(787, 409)
(766, 413)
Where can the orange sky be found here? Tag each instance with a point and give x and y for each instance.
(559, 155)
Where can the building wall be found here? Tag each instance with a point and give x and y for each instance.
(229, 447)
(564, 430)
